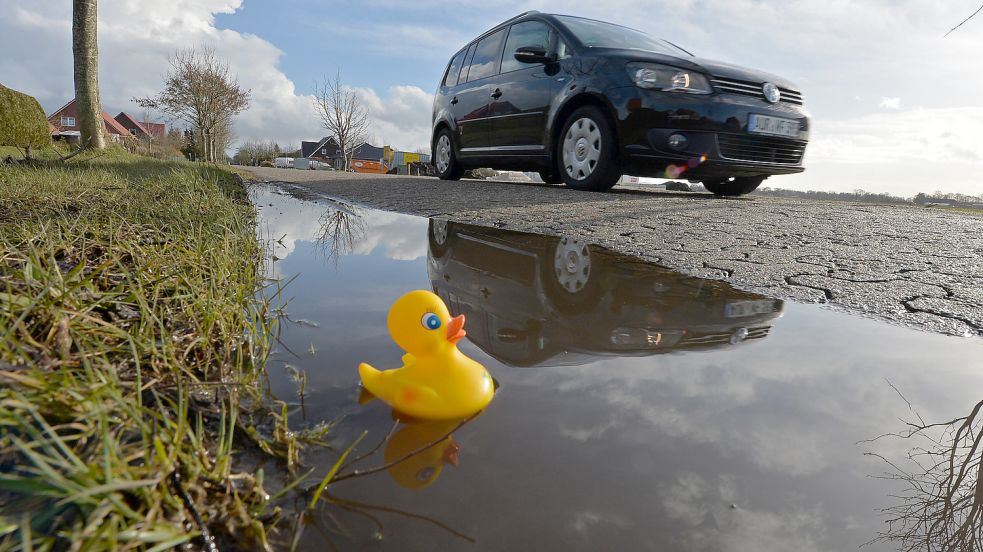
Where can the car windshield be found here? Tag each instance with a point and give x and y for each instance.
(598, 34)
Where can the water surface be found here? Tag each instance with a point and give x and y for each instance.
(638, 409)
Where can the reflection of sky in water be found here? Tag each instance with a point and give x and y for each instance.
(747, 447)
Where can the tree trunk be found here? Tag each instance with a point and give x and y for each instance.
(85, 49)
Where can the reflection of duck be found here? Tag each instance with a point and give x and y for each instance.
(421, 470)
(436, 381)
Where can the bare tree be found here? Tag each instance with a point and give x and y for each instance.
(342, 114)
(201, 91)
(85, 50)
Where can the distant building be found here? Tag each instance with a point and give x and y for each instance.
(141, 129)
(66, 125)
(328, 151)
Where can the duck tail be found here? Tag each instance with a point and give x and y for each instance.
(370, 377)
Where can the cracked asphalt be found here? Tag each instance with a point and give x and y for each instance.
(915, 266)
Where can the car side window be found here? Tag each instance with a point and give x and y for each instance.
(455, 69)
(486, 56)
(527, 33)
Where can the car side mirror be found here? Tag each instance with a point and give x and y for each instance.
(533, 54)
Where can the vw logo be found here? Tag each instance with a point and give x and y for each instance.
(772, 94)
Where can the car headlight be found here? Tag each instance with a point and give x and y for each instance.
(664, 77)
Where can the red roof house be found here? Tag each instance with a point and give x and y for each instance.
(140, 129)
(65, 120)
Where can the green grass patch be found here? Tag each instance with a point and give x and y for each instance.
(131, 349)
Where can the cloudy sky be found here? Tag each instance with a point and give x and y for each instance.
(897, 107)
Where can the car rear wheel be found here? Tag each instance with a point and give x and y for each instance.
(587, 147)
(444, 160)
(737, 186)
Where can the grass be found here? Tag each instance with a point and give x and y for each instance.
(131, 348)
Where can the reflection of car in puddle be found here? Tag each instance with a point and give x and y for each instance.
(535, 300)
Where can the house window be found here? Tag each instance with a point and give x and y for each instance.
(133, 132)
(324, 151)
(68, 121)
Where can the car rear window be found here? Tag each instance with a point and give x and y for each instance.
(485, 59)
(455, 69)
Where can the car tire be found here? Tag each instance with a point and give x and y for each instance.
(440, 234)
(570, 274)
(738, 186)
(444, 159)
(550, 177)
(587, 151)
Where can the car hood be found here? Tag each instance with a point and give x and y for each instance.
(715, 68)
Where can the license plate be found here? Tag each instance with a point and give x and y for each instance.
(740, 309)
(773, 126)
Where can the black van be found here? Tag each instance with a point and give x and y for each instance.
(583, 102)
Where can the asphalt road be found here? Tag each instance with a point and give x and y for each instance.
(909, 265)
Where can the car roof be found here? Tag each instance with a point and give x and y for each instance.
(524, 16)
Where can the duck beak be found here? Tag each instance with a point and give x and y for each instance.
(455, 329)
(450, 454)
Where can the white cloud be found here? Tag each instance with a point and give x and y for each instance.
(402, 118)
(890, 103)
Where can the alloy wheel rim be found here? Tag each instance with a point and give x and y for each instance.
(443, 153)
(582, 148)
(572, 264)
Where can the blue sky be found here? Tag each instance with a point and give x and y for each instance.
(896, 107)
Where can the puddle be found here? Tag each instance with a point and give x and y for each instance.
(639, 409)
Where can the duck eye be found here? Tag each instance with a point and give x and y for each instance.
(425, 474)
(430, 321)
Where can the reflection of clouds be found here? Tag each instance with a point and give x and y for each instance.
(583, 522)
(399, 237)
(794, 405)
(716, 518)
(584, 434)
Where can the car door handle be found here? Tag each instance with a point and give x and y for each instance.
(454, 100)
(497, 93)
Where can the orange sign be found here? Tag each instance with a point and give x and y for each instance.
(371, 167)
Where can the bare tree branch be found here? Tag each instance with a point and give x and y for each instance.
(941, 499)
(342, 114)
(978, 10)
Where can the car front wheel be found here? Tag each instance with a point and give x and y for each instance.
(737, 186)
(588, 156)
(444, 160)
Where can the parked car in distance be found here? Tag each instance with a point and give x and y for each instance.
(583, 102)
(284, 162)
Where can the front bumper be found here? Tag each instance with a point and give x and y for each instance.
(716, 128)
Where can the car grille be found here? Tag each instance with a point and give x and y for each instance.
(759, 149)
(748, 88)
(720, 338)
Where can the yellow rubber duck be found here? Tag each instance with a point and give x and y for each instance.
(436, 381)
